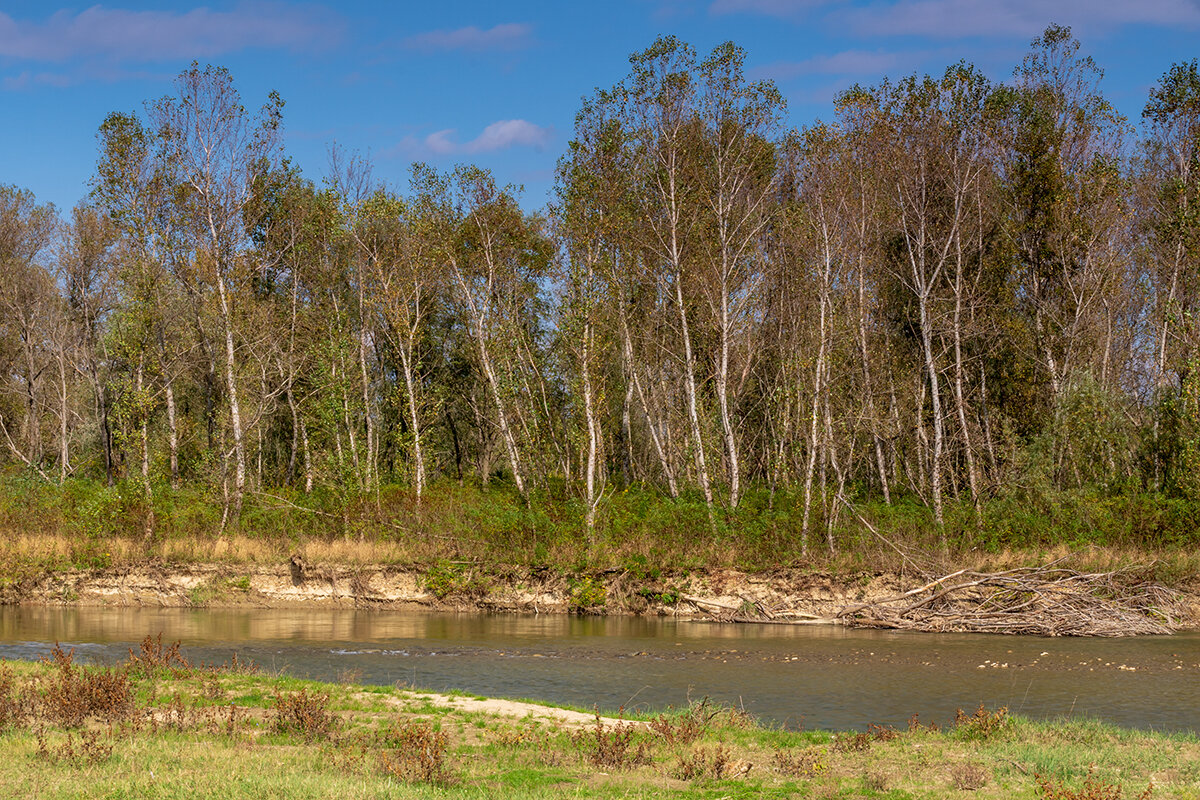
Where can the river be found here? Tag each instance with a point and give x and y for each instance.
(804, 676)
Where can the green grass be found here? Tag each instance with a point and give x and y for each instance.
(462, 533)
(175, 740)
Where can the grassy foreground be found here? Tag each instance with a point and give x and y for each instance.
(158, 727)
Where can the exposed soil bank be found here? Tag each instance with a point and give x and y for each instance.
(711, 594)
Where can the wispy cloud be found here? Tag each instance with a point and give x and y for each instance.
(509, 36)
(770, 8)
(848, 62)
(120, 35)
(510, 133)
(107, 73)
(28, 79)
(501, 135)
(441, 142)
(953, 18)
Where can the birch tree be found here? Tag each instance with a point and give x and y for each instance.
(219, 150)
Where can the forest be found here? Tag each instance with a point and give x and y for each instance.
(963, 306)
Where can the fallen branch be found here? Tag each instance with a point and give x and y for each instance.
(700, 601)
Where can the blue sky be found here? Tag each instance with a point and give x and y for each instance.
(498, 84)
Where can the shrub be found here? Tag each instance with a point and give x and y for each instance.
(587, 593)
(915, 726)
(1092, 789)
(981, 725)
(88, 749)
(416, 752)
(807, 763)
(14, 703)
(73, 694)
(882, 733)
(303, 713)
(703, 764)
(969, 777)
(153, 658)
(445, 579)
(612, 747)
(686, 727)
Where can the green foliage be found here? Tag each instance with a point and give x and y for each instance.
(1093, 435)
(587, 592)
(445, 579)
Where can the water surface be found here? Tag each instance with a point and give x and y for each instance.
(810, 676)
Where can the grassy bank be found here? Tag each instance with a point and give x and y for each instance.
(158, 727)
(86, 524)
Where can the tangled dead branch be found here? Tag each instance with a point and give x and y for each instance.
(1044, 601)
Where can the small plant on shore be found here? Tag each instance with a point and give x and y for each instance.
(1092, 789)
(522, 736)
(982, 724)
(89, 748)
(176, 715)
(587, 592)
(15, 703)
(154, 658)
(688, 726)
(807, 763)
(668, 596)
(349, 677)
(882, 733)
(304, 713)
(701, 763)
(969, 776)
(445, 579)
(851, 742)
(227, 720)
(612, 746)
(416, 751)
(877, 780)
(915, 726)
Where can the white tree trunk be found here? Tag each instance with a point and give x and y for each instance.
(235, 413)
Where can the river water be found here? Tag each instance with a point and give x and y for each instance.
(805, 676)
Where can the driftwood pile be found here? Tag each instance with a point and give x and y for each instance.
(1040, 601)
(1049, 600)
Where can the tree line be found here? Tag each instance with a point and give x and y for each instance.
(950, 287)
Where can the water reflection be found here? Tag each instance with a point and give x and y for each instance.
(816, 676)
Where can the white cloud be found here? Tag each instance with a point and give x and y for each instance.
(953, 18)
(501, 135)
(508, 36)
(123, 35)
(509, 133)
(440, 142)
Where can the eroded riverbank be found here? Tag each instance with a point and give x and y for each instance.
(781, 596)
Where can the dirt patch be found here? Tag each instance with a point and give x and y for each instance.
(506, 708)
